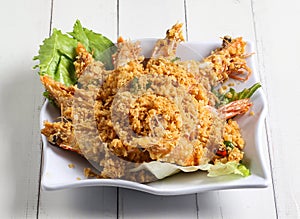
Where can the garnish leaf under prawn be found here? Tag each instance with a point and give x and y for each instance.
(98, 45)
(56, 48)
(58, 53)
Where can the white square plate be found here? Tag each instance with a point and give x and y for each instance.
(57, 175)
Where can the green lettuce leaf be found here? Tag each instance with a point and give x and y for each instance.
(162, 170)
(56, 57)
(97, 44)
(58, 53)
(221, 169)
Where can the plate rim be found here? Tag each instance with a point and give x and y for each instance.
(264, 180)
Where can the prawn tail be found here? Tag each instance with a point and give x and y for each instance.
(235, 108)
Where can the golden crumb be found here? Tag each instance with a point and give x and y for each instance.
(175, 33)
(224, 87)
(231, 84)
(221, 90)
(78, 178)
(71, 165)
(83, 59)
(229, 95)
(252, 113)
(88, 173)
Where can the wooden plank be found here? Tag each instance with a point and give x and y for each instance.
(133, 204)
(207, 21)
(278, 46)
(89, 202)
(236, 204)
(100, 16)
(151, 19)
(210, 20)
(20, 99)
(93, 202)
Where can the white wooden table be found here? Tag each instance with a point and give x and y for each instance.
(272, 25)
